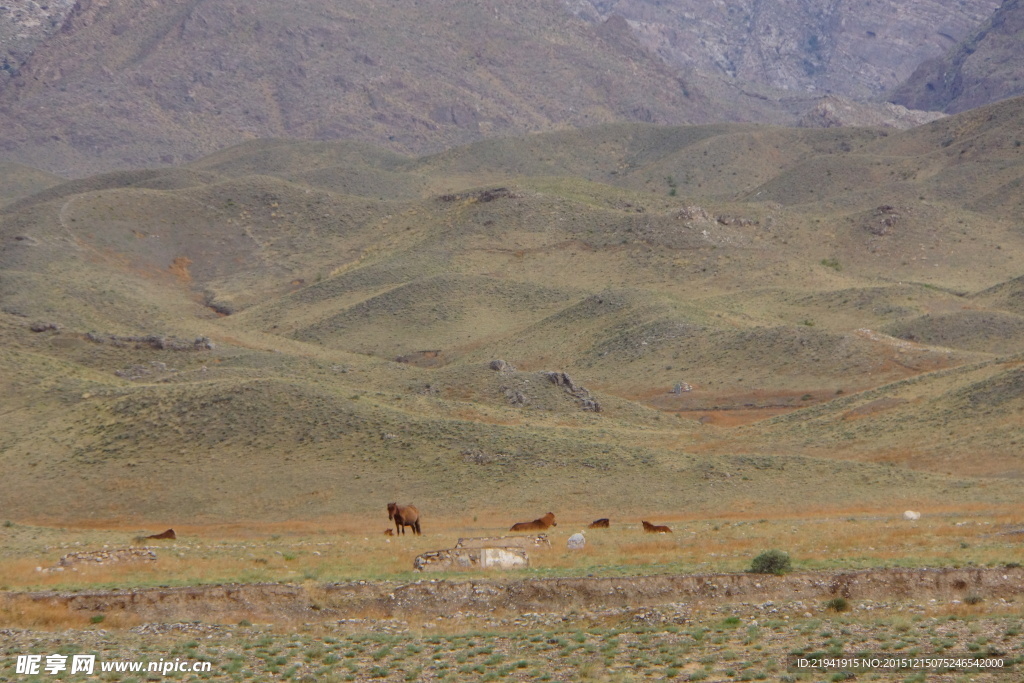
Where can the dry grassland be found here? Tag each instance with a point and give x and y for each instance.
(347, 548)
(704, 639)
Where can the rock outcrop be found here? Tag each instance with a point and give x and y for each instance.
(472, 558)
(154, 341)
(586, 401)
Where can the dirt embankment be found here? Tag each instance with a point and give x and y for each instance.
(440, 597)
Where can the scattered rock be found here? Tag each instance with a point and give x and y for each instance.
(534, 541)
(136, 372)
(587, 402)
(154, 341)
(41, 326)
(144, 554)
(882, 221)
(911, 515)
(480, 457)
(488, 195)
(693, 213)
(576, 541)
(515, 397)
(499, 365)
(735, 220)
(193, 627)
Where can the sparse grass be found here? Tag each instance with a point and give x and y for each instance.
(300, 411)
(336, 550)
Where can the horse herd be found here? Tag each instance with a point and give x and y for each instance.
(408, 515)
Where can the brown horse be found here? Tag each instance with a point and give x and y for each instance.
(602, 523)
(541, 524)
(656, 528)
(404, 515)
(169, 534)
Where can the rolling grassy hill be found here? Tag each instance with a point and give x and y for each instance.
(748, 316)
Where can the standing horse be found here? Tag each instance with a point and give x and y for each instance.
(541, 524)
(404, 515)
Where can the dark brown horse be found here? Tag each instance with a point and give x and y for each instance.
(602, 523)
(541, 524)
(656, 528)
(404, 515)
(169, 534)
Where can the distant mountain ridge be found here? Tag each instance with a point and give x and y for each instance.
(129, 83)
(98, 85)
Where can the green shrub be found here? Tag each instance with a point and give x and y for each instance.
(771, 562)
(837, 605)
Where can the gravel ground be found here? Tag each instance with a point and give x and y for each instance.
(710, 639)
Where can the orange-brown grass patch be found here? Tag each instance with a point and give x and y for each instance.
(179, 268)
(646, 552)
(54, 615)
(730, 418)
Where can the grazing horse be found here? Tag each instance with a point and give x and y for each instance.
(602, 523)
(404, 515)
(541, 524)
(656, 528)
(169, 534)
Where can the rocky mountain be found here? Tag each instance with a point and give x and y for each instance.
(103, 84)
(132, 83)
(985, 67)
(859, 50)
(25, 24)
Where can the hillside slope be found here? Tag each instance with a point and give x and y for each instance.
(293, 328)
(986, 66)
(129, 83)
(857, 51)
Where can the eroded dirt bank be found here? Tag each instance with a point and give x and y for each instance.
(445, 597)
